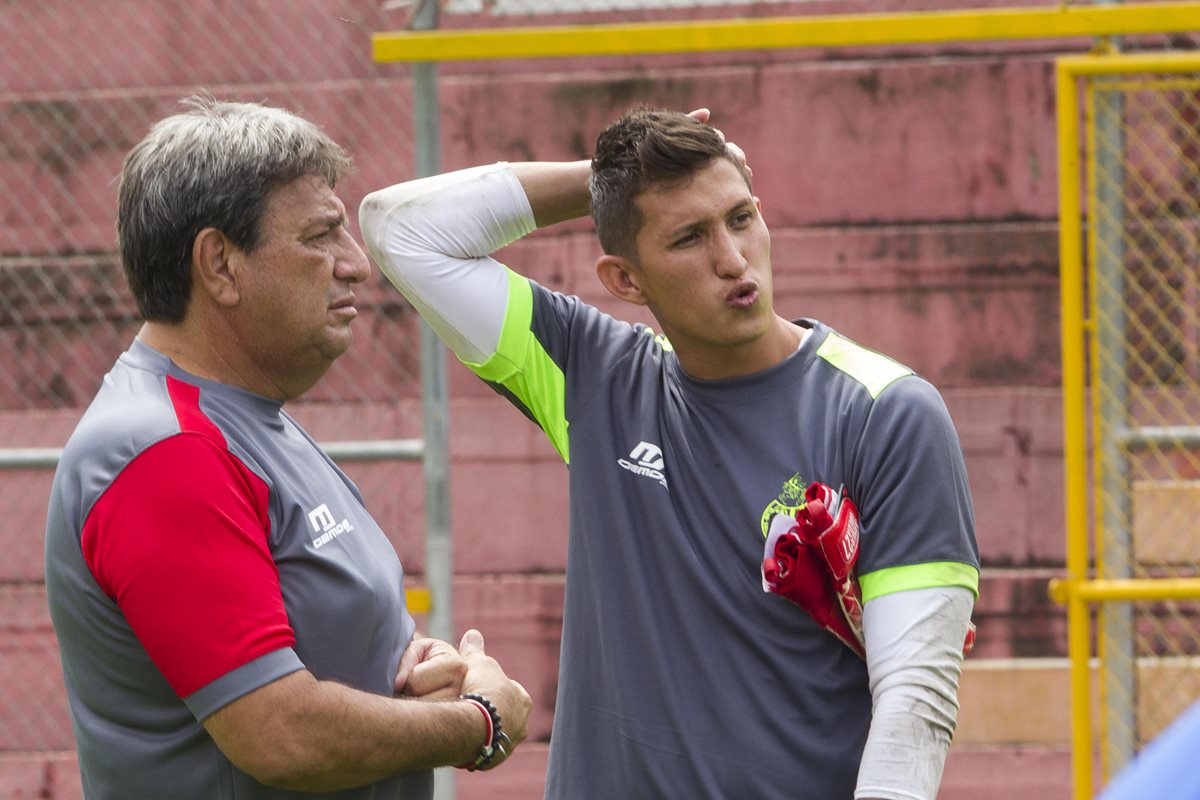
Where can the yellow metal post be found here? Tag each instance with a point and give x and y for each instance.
(1074, 421)
(1126, 590)
(1132, 64)
(418, 599)
(772, 33)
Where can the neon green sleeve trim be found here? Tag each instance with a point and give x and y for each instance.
(873, 370)
(514, 334)
(522, 366)
(918, 576)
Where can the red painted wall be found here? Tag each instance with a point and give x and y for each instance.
(911, 195)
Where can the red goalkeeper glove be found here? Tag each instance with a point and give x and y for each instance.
(810, 560)
(796, 571)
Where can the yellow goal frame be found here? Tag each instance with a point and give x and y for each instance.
(847, 30)
(1078, 326)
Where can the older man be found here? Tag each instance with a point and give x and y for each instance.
(231, 618)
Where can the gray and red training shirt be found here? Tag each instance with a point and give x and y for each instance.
(200, 545)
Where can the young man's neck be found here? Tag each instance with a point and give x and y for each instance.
(770, 349)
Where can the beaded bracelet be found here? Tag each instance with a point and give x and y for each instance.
(496, 738)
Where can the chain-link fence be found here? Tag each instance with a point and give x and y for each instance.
(1141, 144)
(1145, 217)
(80, 83)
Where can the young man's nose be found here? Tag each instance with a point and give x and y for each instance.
(728, 259)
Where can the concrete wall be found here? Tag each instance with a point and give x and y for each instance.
(911, 196)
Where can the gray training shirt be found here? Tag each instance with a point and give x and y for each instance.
(680, 677)
(199, 546)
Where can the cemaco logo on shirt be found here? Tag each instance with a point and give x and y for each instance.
(322, 522)
(646, 460)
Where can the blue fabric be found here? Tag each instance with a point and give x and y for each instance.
(1166, 769)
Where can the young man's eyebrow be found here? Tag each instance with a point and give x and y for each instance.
(739, 205)
(684, 228)
(746, 202)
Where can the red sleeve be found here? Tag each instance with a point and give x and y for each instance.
(180, 542)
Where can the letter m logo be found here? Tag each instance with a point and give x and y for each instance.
(648, 455)
(320, 518)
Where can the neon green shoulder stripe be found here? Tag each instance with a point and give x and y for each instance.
(873, 370)
(918, 576)
(522, 366)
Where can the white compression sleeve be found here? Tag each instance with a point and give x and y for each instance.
(914, 645)
(431, 238)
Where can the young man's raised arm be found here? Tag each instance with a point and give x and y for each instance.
(432, 239)
(556, 191)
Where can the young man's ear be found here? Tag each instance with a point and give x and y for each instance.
(214, 271)
(619, 276)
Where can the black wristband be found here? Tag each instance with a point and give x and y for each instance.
(496, 741)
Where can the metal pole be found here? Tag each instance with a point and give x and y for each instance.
(439, 558)
(438, 563)
(371, 450)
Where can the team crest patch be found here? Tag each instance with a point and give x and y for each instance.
(788, 501)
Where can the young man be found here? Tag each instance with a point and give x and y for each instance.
(231, 619)
(680, 677)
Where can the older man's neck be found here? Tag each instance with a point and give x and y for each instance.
(212, 355)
